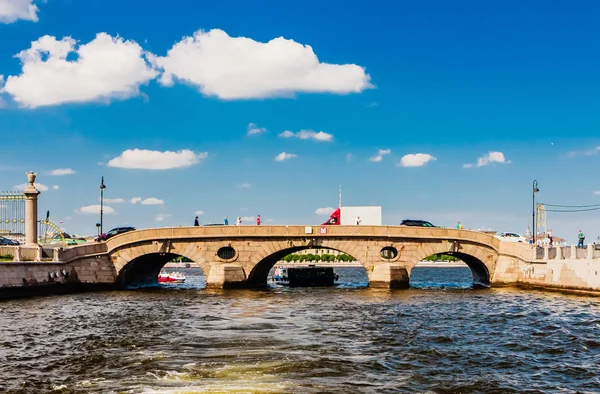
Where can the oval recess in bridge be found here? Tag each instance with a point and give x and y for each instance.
(389, 252)
(226, 253)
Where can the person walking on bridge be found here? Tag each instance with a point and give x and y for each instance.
(581, 238)
(459, 226)
(357, 220)
(258, 220)
(226, 221)
(196, 223)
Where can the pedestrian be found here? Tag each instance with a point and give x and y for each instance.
(357, 220)
(258, 220)
(238, 221)
(459, 226)
(196, 223)
(581, 238)
(226, 221)
(550, 238)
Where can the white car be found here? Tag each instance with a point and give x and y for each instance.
(511, 237)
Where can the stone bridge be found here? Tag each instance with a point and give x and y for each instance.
(241, 256)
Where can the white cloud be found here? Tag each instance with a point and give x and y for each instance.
(308, 135)
(55, 187)
(14, 10)
(62, 171)
(379, 156)
(285, 156)
(372, 105)
(248, 219)
(324, 211)
(240, 68)
(95, 209)
(41, 187)
(114, 200)
(105, 68)
(152, 201)
(489, 158)
(415, 160)
(597, 193)
(135, 200)
(349, 157)
(199, 213)
(253, 129)
(156, 160)
(162, 216)
(244, 185)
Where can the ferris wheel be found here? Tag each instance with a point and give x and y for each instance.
(50, 232)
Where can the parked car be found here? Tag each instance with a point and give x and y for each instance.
(511, 237)
(113, 232)
(416, 223)
(8, 242)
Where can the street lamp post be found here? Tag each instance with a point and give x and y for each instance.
(102, 187)
(534, 234)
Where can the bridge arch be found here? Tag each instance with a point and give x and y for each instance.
(481, 259)
(258, 273)
(141, 262)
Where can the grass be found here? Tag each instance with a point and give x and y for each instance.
(4, 258)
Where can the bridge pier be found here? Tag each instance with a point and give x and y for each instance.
(390, 276)
(226, 276)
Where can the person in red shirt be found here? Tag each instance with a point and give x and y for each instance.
(258, 220)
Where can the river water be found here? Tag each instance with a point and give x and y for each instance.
(440, 336)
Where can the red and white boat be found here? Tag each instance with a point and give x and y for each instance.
(171, 277)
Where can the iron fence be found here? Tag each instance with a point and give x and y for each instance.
(12, 215)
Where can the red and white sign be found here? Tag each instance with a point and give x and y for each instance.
(323, 230)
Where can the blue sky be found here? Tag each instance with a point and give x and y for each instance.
(452, 82)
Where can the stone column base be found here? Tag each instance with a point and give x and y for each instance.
(226, 276)
(390, 276)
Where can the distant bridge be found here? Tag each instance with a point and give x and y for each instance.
(241, 256)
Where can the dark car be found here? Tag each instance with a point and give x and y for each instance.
(416, 223)
(113, 232)
(8, 242)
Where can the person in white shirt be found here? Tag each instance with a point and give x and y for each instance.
(238, 221)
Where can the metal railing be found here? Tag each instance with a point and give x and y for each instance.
(12, 215)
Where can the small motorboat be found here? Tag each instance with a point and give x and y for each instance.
(171, 277)
(304, 276)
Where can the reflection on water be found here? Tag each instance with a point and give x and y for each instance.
(185, 339)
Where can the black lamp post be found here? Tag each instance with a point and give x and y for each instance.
(102, 187)
(534, 234)
(98, 228)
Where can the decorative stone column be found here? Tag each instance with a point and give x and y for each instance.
(31, 212)
(573, 252)
(590, 252)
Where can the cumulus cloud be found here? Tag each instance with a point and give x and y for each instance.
(155, 160)
(95, 210)
(62, 171)
(55, 187)
(240, 68)
(14, 10)
(59, 71)
(199, 213)
(285, 156)
(488, 158)
(597, 193)
(135, 200)
(244, 185)
(152, 201)
(253, 129)
(415, 160)
(308, 135)
(41, 187)
(324, 211)
(114, 200)
(162, 216)
(379, 156)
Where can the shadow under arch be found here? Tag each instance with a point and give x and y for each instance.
(144, 270)
(259, 274)
(480, 272)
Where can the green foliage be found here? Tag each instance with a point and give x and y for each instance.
(315, 258)
(181, 259)
(441, 257)
(5, 258)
